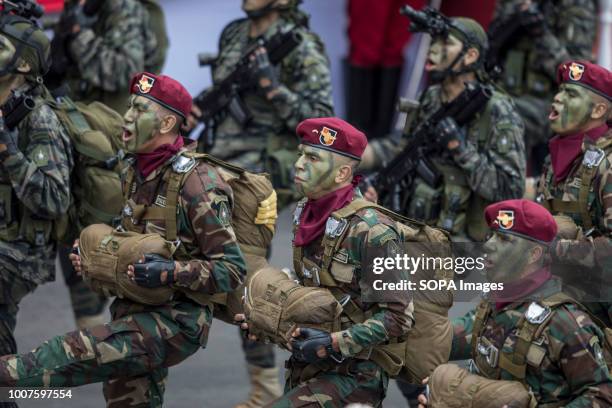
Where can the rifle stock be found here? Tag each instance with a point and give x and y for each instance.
(400, 172)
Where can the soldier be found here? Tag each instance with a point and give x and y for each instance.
(578, 178)
(132, 353)
(104, 50)
(35, 160)
(107, 44)
(480, 162)
(338, 368)
(549, 33)
(530, 331)
(284, 95)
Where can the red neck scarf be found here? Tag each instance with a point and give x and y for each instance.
(316, 212)
(564, 150)
(517, 290)
(148, 162)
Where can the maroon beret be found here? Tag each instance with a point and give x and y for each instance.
(522, 217)
(333, 134)
(591, 76)
(166, 91)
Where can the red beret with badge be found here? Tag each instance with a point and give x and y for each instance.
(334, 135)
(166, 91)
(522, 217)
(591, 76)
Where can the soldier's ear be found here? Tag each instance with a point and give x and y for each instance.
(23, 67)
(344, 174)
(471, 56)
(601, 110)
(536, 254)
(168, 124)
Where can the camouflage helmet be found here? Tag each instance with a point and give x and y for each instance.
(471, 33)
(31, 44)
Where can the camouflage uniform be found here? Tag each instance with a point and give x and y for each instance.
(35, 191)
(591, 254)
(491, 167)
(356, 379)
(119, 44)
(531, 64)
(269, 141)
(566, 366)
(132, 353)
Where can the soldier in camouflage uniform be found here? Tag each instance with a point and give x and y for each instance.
(559, 31)
(132, 353)
(35, 161)
(121, 39)
(336, 369)
(577, 181)
(297, 89)
(480, 163)
(529, 331)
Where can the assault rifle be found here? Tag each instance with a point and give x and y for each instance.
(17, 108)
(223, 98)
(399, 174)
(83, 15)
(503, 33)
(25, 8)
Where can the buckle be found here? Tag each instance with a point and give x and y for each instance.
(536, 313)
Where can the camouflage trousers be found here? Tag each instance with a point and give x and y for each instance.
(353, 381)
(12, 290)
(131, 354)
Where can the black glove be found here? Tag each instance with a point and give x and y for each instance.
(7, 143)
(304, 347)
(148, 273)
(263, 71)
(447, 131)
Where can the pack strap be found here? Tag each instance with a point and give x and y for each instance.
(253, 250)
(103, 216)
(482, 314)
(585, 186)
(172, 192)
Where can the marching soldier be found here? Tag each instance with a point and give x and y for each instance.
(132, 353)
(578, 178)
(530, 331)
(480, 162)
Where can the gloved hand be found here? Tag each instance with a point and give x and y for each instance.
(148, 271)
(264, 73)
(532, 20)
(7, 144)
(450, 135)
(309, 341)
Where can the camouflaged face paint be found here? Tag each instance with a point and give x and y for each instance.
(507, 256)
(315, 172)
(571, 109)
(142, 122)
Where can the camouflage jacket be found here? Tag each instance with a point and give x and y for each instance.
(383, 321)
(305, 91)
(595, 250)
(213, 261)
(35, 191)
(564, 365)
(108, 54)
(492, 165)
(530, 66)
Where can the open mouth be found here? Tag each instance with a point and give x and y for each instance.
(554, 113)
(429, 64)
(126, 136)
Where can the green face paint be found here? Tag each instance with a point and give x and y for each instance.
(141, 123)
(315, 172)
(571, 110)
(507, 256)
(442, 53)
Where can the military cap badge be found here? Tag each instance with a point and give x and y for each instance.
(576, 71)
(327, 137)
(505, 219)
(145, 84)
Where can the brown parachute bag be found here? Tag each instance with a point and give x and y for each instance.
(451, 386)
(276, 304)
(105, 255)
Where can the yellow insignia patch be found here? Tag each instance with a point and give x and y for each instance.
(327, 137)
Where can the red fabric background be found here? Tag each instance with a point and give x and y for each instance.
(52, 6)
